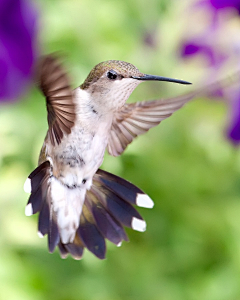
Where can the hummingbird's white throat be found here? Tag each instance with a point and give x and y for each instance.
(109, 96)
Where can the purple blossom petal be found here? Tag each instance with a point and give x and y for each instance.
(18, 28)
(218, 93)
(192, 48)
(219, 4)
(234, 130)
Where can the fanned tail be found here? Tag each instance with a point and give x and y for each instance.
(107, 208)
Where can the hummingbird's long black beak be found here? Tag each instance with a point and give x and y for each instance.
(159, 78)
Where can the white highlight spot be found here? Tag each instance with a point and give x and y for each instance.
(64, 256)
(119, 244)
(76, 257)
(138, 224)
(28, 210)
(40, 234)
(27, 186)
(144, 200)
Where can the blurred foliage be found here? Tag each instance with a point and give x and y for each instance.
(191, 249)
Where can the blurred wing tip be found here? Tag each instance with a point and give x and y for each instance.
(27, 186)
(144, 200)
(29, 210)
(138, 225)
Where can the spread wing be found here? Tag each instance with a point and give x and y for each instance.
(137, 118)
(54, 83)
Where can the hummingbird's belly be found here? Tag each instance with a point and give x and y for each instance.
(78, 160)
(74, 163)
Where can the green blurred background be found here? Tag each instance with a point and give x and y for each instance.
(191, 249)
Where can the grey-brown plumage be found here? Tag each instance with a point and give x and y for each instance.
(54, 84)
(122, 68)
(80, 205)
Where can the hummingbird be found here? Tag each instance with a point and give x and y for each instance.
(80, 205)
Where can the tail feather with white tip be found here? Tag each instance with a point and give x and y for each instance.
(107, 208)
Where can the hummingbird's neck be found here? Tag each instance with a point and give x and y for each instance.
(89, 111)
(106, 99)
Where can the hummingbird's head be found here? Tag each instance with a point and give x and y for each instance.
(113, 81)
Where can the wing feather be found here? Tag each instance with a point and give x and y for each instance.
(54, 84)
(137, 118)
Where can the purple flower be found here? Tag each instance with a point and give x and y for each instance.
(212, 55)
(18, 28)
(217, 55)
(194, 47)
(220, 4)
(234, 128)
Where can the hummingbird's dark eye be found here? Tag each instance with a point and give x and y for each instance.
(112, 74)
